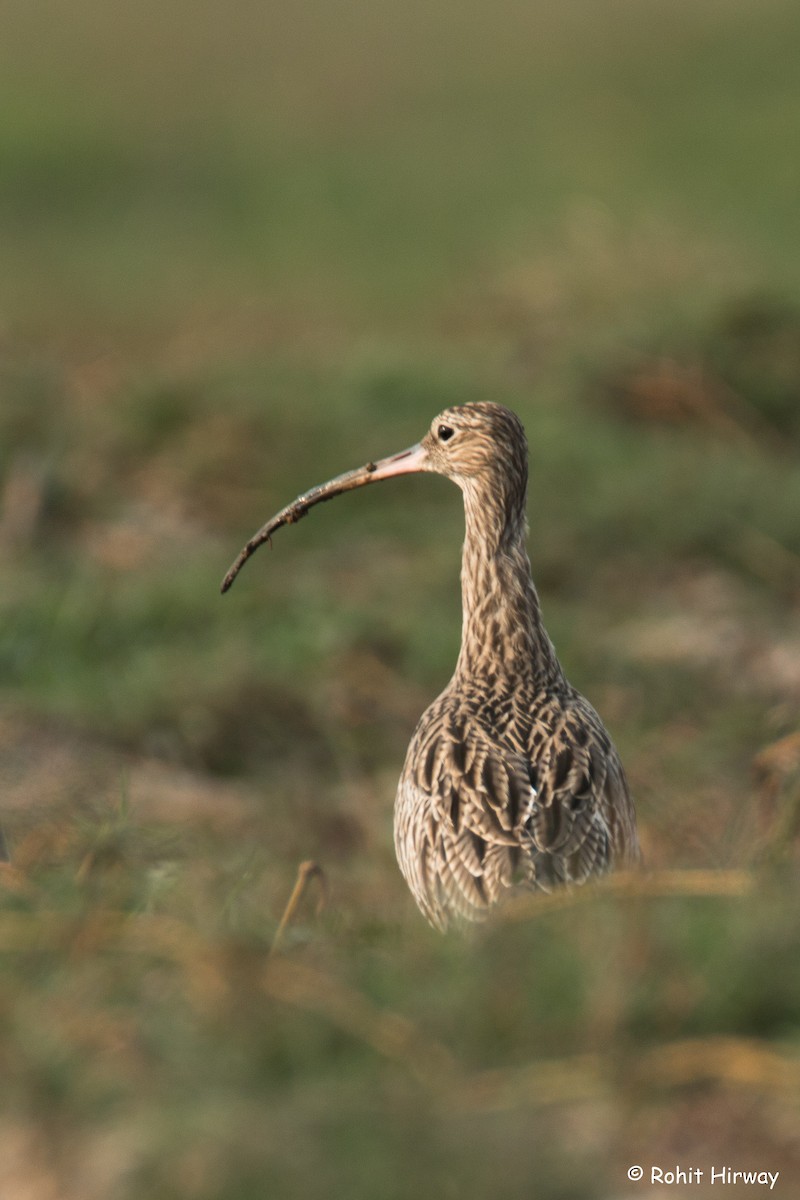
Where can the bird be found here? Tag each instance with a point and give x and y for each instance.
(511, 781)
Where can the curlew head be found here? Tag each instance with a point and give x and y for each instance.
(481, 447)
(477, 442)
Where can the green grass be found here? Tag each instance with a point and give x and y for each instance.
(242, 252)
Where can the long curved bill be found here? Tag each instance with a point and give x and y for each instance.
(404, 463)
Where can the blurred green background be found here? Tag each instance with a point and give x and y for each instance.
(244, 248)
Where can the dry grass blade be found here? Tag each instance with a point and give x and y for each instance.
(305, 872)
(737, 1061)
(731, 1061)
(634, 884)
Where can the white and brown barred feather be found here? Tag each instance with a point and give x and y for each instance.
(477, 814)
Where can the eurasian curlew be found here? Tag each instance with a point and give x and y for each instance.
(511, 780)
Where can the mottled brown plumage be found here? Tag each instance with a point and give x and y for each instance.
(510, 780)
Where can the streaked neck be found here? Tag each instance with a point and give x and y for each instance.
(502, 632)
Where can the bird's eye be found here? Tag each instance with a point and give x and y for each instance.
(444, 433)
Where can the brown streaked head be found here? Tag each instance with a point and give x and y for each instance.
(478, 441)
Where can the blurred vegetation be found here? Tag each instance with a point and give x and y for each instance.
(244, 250)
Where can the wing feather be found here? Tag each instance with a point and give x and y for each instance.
(477, 817)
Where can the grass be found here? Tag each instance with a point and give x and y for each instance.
(241, 256)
